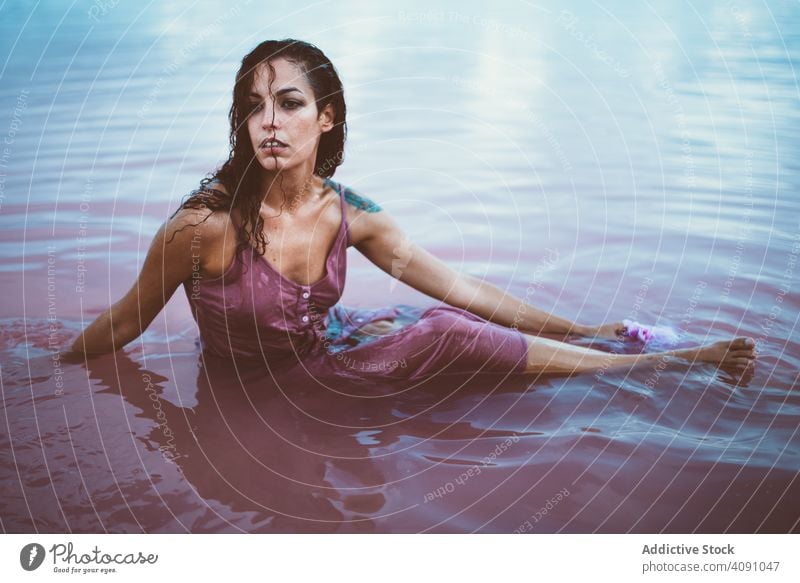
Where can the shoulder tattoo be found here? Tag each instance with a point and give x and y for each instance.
(361, 202)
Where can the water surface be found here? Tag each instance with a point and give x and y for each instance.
(600, 161)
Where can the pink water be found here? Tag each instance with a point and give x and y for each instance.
(663, 189)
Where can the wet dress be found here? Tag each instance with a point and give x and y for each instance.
(253, 313)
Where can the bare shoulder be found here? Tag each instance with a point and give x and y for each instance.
(191, 224)
(210, 225)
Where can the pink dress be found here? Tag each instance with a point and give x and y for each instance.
(253, 313)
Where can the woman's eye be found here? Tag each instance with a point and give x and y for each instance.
(289, 104)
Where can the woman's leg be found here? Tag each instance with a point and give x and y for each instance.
(552, 356)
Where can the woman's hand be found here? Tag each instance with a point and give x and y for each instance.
(70, 356)
(612, 330)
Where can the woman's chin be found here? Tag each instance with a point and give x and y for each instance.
(276, 163)
(271, 164)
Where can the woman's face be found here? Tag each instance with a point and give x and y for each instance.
(288, 113)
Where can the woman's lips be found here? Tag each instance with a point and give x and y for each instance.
(274, 149)
(266, 142)
(273, 146)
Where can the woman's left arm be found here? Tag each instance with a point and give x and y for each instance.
(379, 238)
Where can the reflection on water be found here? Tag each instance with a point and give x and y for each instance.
(602, 162)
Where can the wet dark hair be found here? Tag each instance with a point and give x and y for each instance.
(240, 173)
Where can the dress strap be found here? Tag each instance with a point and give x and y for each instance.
(344, 225)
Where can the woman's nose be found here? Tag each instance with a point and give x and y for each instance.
(270, 117)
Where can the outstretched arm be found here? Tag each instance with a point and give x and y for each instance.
(168, 263)
(378, 236)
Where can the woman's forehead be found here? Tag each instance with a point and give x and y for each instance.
(287, 74)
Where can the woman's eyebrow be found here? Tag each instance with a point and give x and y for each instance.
(279, 92)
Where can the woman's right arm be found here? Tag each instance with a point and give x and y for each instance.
(168, 263)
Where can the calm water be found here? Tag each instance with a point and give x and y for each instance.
(602, 161)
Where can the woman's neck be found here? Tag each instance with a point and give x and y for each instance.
(290, 189)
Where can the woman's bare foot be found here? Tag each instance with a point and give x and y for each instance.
(733, 356)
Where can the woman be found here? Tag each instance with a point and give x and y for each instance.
(260, 248)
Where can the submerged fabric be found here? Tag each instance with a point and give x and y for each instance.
(253, 313)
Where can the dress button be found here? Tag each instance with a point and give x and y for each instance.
(305, 318)
(306, 294)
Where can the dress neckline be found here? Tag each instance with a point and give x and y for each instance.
(342, 226)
